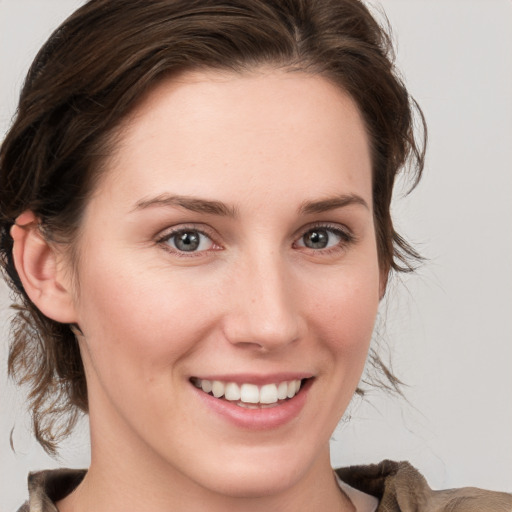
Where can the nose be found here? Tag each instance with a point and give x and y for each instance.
(263, 307)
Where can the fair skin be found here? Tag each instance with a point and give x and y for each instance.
(266, 178)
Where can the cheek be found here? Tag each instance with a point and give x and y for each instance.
(343, 312)
(139, 321)
(346, 305)
(341, 315)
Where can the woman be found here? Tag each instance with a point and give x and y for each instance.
(195, 212)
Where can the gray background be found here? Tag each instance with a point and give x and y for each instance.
(449, 327)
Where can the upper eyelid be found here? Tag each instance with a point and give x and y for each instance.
(332, 226)
(167, 233)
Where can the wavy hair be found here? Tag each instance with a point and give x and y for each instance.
(90, 75)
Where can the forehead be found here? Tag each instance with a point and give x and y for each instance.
(205, 129)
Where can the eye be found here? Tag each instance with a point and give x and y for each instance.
(188, 240)
(323, 237)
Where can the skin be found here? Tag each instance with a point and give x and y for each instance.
(253, 300)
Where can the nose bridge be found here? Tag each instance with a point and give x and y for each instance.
(264, 312)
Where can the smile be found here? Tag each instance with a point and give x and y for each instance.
(250, 395)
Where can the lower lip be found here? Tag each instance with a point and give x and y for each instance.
(257, 419)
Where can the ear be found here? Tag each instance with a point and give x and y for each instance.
(37, 264)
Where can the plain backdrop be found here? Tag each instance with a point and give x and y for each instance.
(449, 326)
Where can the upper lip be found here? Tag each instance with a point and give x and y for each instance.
(257, 379)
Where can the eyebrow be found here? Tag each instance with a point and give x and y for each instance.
(193, 204)
(332, 203)
(212, 207)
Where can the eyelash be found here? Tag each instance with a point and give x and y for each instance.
(346, 238)
(165, 238)
(345, 235)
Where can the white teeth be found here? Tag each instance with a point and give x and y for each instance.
(206, 385)
(250, 393)
(218, 388)
(232, 391)
(282, 391)
(268, 394)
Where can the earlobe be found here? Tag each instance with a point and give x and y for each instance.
(36, 262)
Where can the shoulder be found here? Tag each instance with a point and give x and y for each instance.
(400, 487)
(45, 488)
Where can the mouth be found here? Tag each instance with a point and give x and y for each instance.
(248, 395)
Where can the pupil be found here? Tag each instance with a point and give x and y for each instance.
(187, 241)
(316, 239)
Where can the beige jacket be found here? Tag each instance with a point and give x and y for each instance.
(397, 485)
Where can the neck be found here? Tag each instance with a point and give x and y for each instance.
(116, 483)
(113, 495)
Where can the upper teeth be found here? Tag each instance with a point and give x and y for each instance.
(250, 393)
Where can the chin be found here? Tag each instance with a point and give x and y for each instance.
(254, 482)
(251, 475)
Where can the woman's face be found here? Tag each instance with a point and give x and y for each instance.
(229, 245)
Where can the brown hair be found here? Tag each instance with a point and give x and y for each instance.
(89, 76)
